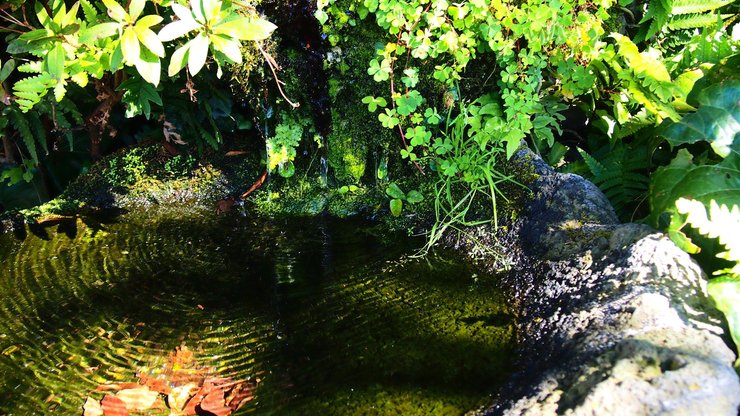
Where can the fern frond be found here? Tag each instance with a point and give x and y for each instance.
(693, 21)
(681, 7)
(37, 130)
(620, 172)
(31, 90)
(20, 124)
(594, 165)
(31, 67)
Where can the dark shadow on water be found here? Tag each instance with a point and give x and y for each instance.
(313, 308)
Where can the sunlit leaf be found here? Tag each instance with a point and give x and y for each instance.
(149, 67)
(115, 11)
(197, 9)
(244, 28)
(101, 31)
(177, 29)
(198, 53)
(54, 61)
(228, 47)
(725, 292)
(150, 40)
(178, 60)
(149, 21)
(130, 46)
(210, 8)
(135, 8)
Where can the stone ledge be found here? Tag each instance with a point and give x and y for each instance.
(614, 319)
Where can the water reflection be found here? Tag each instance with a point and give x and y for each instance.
(325, 316)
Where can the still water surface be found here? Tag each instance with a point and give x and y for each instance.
(320, 313)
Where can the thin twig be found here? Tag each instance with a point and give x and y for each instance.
(273, 67)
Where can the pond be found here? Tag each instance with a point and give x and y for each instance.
(314, 315)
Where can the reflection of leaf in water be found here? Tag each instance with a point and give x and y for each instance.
(190, 390)
(140, 398)
(113, 406)
(92, 408)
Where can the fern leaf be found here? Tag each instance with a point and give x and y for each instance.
(20, 123)
(594, 165)
(31, 90)
(681, 7)
(693, 21)
(37, 130)
(35, 67)
(91, 13)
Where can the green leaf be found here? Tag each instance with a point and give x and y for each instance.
(227, 46)
(150, 40)
(198, 53)
(115, 11)
(178, 60)
(396, 206)
(130, 46)
(148, 21)
(245, 28)
(394, 191)
(717, 121)
(99, 31)
(725, 292)
(682, 178)
(177, 29)
(6, 70)
(54, 62)
(135, 8)
(91, 13)
(414, 197)
(138, 96)
(149, 67)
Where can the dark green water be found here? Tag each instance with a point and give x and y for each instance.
(328, 318)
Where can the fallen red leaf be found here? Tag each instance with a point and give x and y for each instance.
(155, 384)
(197, 398)
(113, 406)
(214, 404)
(260, 180)
(239, 396)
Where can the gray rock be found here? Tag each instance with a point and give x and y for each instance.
(614, 319)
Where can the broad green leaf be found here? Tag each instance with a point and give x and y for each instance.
(150, 40)
(682, 178)
(135, 8)
(149, 67)
(414, 197)
(245, 28)
(228, 47)
(115, 11)
(130, 46)
(178, 60)
(725, 292)
(6, 70)
(148, 21)
(100, 31)
(37, 34)
(198, 53)
(116, 58)
(394, 191)
(54, 62)
(396, 206)
(177, 29)
(717, 121)
(138, 96)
